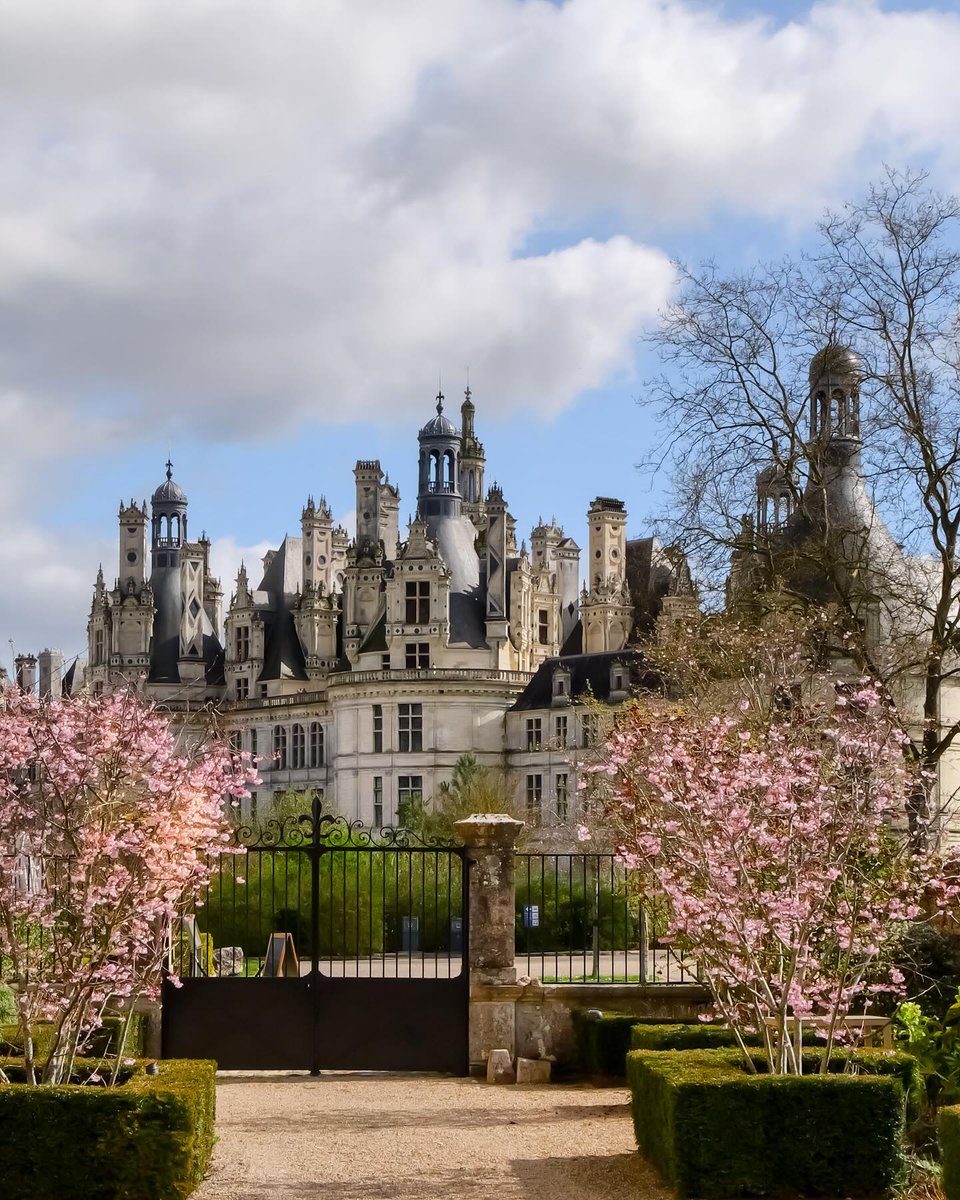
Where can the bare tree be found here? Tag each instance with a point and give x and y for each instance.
(769, 460)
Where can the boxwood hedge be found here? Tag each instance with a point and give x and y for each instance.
(102, 1044)
(948, 1132)
(603, 1040)
(148, 1139)
(712, 1130)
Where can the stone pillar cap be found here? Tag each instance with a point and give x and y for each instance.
(489, 829)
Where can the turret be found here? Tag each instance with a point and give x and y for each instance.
(133, 546)
(439, 491)
(472, 462)
(26, 668)
(605, 608)
(835, 374)
(51, 672)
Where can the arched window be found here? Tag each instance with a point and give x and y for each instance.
(451, 472)
(280, 747)
(299, 747)
(175, 527)
(316, 744)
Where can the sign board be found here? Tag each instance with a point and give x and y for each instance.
(531, 916)
(280, 961)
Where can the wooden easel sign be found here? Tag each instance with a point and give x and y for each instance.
(281, 960)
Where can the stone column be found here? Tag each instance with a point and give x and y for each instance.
(490, 840)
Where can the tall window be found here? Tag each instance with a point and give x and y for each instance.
(378, 800)
(417, 656)
(243, 688)
(242, 642)
(589, 730)
(411, 727)
(543, 626)
(280, 747)
(534, 733)
(236, 740)
(377, 728)
(299, 747)
(253, 740)
(560, 731)
(97, 647)
(409, 791)
(316, 744)
(534, 799)
(418, 602)
(562, 797)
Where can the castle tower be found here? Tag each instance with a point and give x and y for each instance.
(133, 546)
(51, 672)
(316, 526)
(498, 616)
(605, 607)
(369, 476)
(472, 462)
(835, 373)
(439, 490)
(26, 669)
(169, 535)
(774, 500)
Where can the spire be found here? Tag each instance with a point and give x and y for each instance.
(439, 399)
(169, 465)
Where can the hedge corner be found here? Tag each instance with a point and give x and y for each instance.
(948, 1133)
(151, 1137)
(713, 1130)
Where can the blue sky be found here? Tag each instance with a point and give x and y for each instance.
(253, 235)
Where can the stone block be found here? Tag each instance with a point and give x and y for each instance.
(228, 960)
(533, 1070)
(492, 1027)
(500, 1067)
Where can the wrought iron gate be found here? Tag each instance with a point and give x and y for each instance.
(323, 945)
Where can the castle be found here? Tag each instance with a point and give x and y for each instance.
(367, 665)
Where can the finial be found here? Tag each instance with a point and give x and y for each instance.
(439, 396)
(169, 469)
(466, 391)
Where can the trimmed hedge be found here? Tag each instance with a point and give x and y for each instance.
(603, 1042)
(103, 1042)
(151, 1138)
(712, 1130)
(948, 1133)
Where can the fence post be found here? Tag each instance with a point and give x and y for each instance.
(489, 839)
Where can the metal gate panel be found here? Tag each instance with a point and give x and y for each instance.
(371, 930)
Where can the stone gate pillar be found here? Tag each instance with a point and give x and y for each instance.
(490, 839)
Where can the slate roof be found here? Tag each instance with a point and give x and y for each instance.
(588, 673)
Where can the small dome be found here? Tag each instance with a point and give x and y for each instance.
(772, 476)
(439, 426)
(169, 492)
(835, 361)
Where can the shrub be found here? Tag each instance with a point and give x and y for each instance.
(603, 1042)
(104, 1042)
(948, 1132)
(8, 1006)
(151, 1138)
(687, 1037)
(712, 1130)
(929, 958)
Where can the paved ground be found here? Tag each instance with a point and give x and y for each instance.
(390, 1137)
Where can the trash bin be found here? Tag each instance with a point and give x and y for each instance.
(409, 934)
(456, 935)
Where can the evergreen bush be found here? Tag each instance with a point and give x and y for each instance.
(948, 1133)
(150, 1138)
(712, 1130)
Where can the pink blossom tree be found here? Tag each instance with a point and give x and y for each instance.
(779, 844)
(108, 821)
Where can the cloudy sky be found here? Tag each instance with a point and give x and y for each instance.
(253, 235)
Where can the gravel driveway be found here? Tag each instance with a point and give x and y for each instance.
(393, 1137)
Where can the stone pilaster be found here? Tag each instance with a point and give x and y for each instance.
(490, 840)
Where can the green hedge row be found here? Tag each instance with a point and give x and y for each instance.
(103, 1043)
(603, 1041)
(712, 1130)
(948, 1132)
(151, 1138)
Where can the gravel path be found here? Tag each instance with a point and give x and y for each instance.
(390, 1137)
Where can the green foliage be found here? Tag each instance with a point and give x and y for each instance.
(603, 1042)
(712, 1130)
(8, 1006)
(473, 788)
(364, 896)
(929, 958)
(697, 1036)
(103, 1042)
(935, 1044)
(948, 1134)
(151, 1138)
(570, 904)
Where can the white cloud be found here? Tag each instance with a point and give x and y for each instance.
(225, 559)
(225, 218)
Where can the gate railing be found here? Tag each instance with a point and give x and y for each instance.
(319, 894)
(580, 919)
